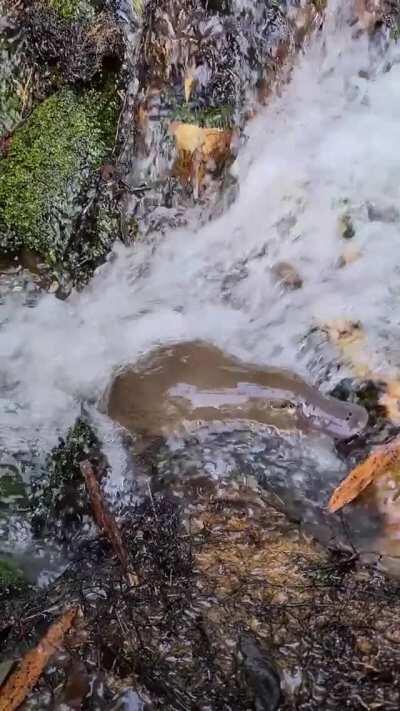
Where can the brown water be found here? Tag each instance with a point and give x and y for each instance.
(197, 382)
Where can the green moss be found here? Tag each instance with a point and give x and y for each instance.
(138, 6)
(395, 31)
(49, 169)
(11, 577)
(221, 117)
(12, 488)
(319, 5)
(59, 499)
(72, 9)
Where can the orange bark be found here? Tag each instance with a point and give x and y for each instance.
(103, 518)
(363, 474)
(25, 677)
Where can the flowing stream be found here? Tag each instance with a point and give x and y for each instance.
(325, 147)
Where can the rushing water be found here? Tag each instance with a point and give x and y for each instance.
(325, 147)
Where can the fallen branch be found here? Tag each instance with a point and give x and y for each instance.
(363, 474)
(21, 682)
(103, 518)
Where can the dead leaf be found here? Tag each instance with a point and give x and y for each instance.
(363, 474)
(199, 148)
(211, 142)
(25, 677)
(189, 83)
(103, 518)
(343, 332)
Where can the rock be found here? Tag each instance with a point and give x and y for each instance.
(262, 677)
(368, 13)
(393, 635)
(286, 274)
(346, 227)
(129, 700)
(49, 177)
(386, 214)
(349, 255)
(71, 42)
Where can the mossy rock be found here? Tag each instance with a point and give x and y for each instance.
(59, 499)
(72, 9)
(49, 170)
(11, 576)
(12, 488)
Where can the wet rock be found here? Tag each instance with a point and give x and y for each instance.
(369, 13)
(198, 65)
(48, 180)
(287, 275)
(378, 213)
(71, 42)
(346, 227)
(262, 677)
(129, 700)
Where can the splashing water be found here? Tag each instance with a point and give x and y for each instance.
(326, 145)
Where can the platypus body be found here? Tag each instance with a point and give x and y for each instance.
(196, 382)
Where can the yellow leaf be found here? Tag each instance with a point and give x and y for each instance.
(188, 84)
(192, 138)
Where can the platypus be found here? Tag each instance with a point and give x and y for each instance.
(176, 385)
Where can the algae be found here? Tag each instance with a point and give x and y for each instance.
(12, 487)
(49, 169)
(72, 9)
(16, 78)
(11, 577)
(211, 117)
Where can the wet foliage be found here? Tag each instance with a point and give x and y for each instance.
(71, 47)
(11, 578)
(59, 499)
